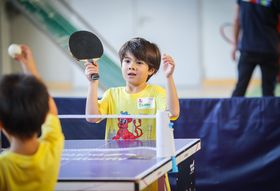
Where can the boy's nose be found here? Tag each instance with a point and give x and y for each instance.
(131, 66)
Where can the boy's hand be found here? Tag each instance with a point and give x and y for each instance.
(27, 60)
(91, 68)
(233, 53)
(168, 65)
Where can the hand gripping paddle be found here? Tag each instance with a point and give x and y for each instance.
(86, 46)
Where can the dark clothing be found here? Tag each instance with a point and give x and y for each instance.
(258, 24)
(258, 44)
(269, 69)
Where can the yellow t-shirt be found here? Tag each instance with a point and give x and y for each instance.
(146, 102)
(38, 171)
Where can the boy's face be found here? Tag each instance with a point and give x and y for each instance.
(135, 72)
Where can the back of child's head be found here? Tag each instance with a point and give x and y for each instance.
(23, 105)
(142, 50)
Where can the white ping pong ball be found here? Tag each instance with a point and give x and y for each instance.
(13, 50)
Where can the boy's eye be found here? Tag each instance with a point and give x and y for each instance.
(126, 61)
(140, 62)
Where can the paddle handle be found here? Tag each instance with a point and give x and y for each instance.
(94, 76)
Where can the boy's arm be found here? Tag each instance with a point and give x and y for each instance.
(171, 93)
(28, 65)
(92, 96)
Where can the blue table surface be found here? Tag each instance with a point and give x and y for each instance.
(118, 160)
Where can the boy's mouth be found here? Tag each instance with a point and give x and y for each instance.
(131, 74)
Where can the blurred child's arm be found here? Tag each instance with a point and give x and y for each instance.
(171, 93)
(27, 61)
(92, 96)
(29, 67)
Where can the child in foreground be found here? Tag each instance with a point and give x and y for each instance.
(26, 111)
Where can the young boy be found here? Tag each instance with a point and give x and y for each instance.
(140, 60)
(26, 110)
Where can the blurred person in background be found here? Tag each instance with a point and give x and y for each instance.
(257, 39)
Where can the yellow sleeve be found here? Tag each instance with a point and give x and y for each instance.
(1, 178)
(104, 102)
(51, 130)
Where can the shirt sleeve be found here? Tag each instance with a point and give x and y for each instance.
(51, 129)
(104, 102)
(1, 179)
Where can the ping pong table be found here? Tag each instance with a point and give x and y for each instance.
(116, 165)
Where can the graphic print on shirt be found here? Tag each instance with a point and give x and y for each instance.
(265, 3)
(123, 131)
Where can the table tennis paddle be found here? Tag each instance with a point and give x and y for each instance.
(86, 46)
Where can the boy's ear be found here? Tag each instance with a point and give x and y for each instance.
(151, 71)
